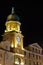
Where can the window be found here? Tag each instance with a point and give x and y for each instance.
(29, 55)
(0, 55)
(33, 55)
(39, 57)
(37, 63)
(36, 50)
(39, 51)
(17, 61)
(6, 55)
(36, 56)
(29, 62)
(8, 28)
(33, 49)
(33, 63)
(6, 47)
(40, 63)
(24, 53)
(25, 61)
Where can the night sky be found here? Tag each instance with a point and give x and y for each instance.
(31, 20)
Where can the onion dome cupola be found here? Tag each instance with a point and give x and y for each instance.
(12, 22)
(13, 16)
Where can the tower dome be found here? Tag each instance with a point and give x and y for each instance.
(12, 23)
(12, 16)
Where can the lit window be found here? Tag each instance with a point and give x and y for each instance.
(17, 61)
(8, 28)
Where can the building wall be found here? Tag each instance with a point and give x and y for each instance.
(6, 57)
(33, 56)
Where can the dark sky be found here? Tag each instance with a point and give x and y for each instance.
(31, 19)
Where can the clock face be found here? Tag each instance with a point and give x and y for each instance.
(18, 38)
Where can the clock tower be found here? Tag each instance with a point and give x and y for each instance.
(14, 36)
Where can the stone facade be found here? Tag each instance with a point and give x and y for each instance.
(11, 48)
(33, 55)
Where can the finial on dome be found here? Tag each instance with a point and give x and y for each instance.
(12, 10)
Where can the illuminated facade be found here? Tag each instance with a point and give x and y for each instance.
(11, 48)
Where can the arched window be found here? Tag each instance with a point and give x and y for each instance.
(17, 61)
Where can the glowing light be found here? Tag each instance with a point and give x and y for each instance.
(19, 54)
(12, 45)
(15, 46)
(16, 62)
(0, 64)
(8, 28)
(22, 63)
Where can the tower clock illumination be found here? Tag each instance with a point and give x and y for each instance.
(18, 38)
(13, 41)
(11, 48)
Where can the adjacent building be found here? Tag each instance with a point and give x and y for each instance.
(33, 55)
(11, 48)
